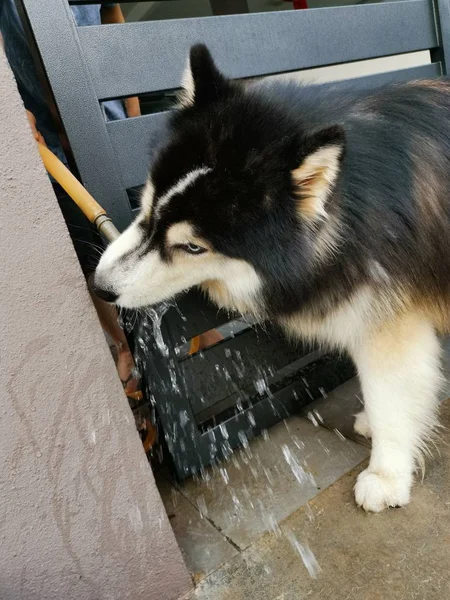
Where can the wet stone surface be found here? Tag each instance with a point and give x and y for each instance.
(395, 555)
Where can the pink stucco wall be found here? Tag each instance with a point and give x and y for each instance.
(80, 515)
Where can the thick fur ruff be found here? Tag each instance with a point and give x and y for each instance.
(325, 210)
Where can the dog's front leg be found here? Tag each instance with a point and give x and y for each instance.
(399, 368)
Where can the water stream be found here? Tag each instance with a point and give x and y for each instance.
(289, 459)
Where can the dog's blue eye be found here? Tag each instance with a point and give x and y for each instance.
(192, 248)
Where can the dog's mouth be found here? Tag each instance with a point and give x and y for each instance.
(128, 298)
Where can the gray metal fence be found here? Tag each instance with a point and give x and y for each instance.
(83, 66)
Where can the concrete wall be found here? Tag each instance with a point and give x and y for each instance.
(80, 515)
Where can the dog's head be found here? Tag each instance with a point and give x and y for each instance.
(237, 201)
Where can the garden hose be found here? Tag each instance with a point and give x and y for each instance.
(79, 194)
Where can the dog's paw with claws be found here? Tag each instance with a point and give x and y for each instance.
(374, 491)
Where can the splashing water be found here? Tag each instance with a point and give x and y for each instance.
(248, 496)
(290, 461)
(261, 386)
(318, 415)
(340, 435)
(265, 435)
(238, 510)
(243, 439)
(311, 416)
(298, 471)
(325, 448)
(224, 475)
(305, 553)
(184, 418)
(270, 521)
(298, 443)
(156, 314)
(224, 430)
(173, 377)
(201, 504)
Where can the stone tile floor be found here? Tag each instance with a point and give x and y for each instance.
(351, 555)
(218, 518)
(279, 521)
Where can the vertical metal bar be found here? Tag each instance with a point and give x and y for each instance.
(56, 38)
(442, 17)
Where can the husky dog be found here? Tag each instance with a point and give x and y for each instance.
(325, 211)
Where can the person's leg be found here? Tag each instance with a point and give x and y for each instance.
(108, 316)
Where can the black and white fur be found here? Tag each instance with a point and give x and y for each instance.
(325, 211)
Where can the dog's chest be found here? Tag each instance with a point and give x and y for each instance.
(341, 328)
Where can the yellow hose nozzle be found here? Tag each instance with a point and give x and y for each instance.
(79, 194)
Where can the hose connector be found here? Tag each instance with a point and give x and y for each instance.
(106, 227)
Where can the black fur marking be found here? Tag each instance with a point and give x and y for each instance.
(209, 84)
(391, 201)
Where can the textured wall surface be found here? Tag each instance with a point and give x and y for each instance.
(80, 515)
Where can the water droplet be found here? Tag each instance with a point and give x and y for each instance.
(312, 418)
(271, 523)
(224, 430)
(339, 434)
(268, 475)
(224, 475)
(243, 439)
(309, 393)
(248, 496)
(323, 392)
(184, 418)
(298, 443)
(318, 416)
(326, 450)
(261, 386)
(156, 315)
(305, 553)
(201, 504)
(298, 471)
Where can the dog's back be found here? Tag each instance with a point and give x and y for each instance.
(392, 200)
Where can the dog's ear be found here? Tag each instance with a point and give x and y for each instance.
(317, 171)
(202, 81)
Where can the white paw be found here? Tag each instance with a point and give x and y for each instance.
(375, 492)
(361, 424)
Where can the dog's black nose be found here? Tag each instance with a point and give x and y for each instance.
(100, 292)
(105, 295)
